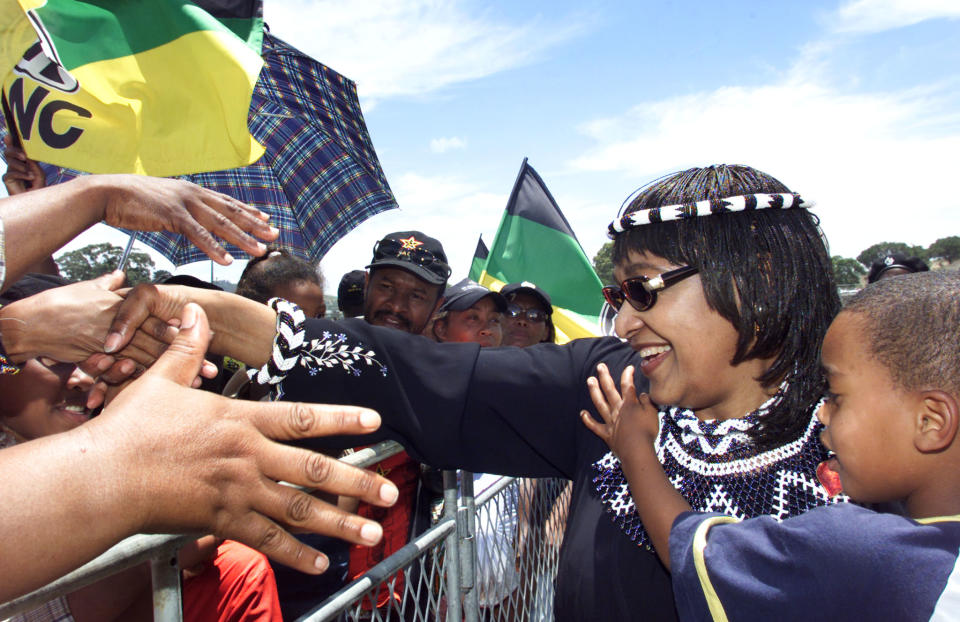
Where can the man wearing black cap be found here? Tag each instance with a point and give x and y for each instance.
(350, 293)
(405, 281)
(528, 317)
(470, 313)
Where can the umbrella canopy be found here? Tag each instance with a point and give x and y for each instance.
(320, 176)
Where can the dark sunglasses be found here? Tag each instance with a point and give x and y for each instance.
(419, 256)
(641, 291)
(535, 316)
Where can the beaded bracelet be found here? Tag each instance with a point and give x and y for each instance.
(287, 345)
(6, 367)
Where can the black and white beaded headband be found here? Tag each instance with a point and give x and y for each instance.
(708, 207)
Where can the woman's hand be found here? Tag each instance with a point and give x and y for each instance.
(23, 174)
(70, 323)
(627, 419)
(159, 204)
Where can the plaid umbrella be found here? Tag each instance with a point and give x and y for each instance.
(320, 176)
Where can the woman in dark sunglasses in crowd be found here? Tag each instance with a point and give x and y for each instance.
(528, 319)
(725, 292)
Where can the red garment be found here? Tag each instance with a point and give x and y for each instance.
(404, 472)
(237, 586)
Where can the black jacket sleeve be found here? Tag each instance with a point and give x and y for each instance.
(495, 410)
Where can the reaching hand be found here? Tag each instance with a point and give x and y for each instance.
(627, 420)
(70, 323)
(158, 204)
(187, 460)
(23, 174)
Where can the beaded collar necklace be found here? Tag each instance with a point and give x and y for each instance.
(717, 468)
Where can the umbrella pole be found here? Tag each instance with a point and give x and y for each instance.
(122, 264)
(211, 272)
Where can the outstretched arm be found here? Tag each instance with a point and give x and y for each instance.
(39, 222)
(165, 458)
(629, 427)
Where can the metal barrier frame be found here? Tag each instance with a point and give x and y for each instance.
(456, 530)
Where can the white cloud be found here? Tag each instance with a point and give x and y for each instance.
(878, 164)
(443, 145)
(878, 15)
(394, 47)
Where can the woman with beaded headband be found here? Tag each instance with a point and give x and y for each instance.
(725, 294)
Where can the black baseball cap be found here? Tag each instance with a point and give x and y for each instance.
(414, 252)
(526, 286)
(467, 293)
(350, 291)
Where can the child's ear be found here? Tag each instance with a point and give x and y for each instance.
(938, 416)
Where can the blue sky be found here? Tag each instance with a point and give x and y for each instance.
(851, 103)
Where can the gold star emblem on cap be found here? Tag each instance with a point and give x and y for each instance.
(410, 243)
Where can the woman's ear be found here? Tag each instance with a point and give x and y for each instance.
(938, 416)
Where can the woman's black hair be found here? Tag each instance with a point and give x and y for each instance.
(276, 267)
(768, 272)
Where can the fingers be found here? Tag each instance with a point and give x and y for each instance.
(300, 511)
(627, 389)
(132, 313)
(317, 471)
(599, 401)
(259, 533)
(288, 421)
(597, 428)
(181, 361)
(111, 281)
(610, 392)
(229, 219)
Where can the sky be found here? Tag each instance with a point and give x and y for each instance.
(852, 103)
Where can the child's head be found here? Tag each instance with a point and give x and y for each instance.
(278, 273)
(764, 289)
(892, 359)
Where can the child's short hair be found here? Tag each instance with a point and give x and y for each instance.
(766, 271)
(913, 328)
(273, 269)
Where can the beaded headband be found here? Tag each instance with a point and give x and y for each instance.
(708, 207)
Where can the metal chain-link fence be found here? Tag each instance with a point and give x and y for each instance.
(490, 557)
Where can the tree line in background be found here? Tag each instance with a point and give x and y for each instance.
(95, 260)
(849, 272)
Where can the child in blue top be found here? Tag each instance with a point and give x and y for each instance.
(892, 358)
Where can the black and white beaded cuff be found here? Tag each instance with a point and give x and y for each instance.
(288, 344)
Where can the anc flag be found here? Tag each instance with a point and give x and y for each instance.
(156, 87)
(479, 261)
(535, 243)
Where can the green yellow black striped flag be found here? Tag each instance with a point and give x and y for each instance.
(479, 261)
(157, 87)
(535, 243)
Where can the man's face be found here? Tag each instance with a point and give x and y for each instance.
(478, 324)
(868, 417)
(397, 299)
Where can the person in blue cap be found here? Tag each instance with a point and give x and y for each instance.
(470, 313)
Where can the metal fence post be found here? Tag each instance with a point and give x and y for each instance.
(452, 550)
(467, 529)
(165, 572)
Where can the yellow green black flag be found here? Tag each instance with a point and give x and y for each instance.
(157, 87)
(536, 243)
